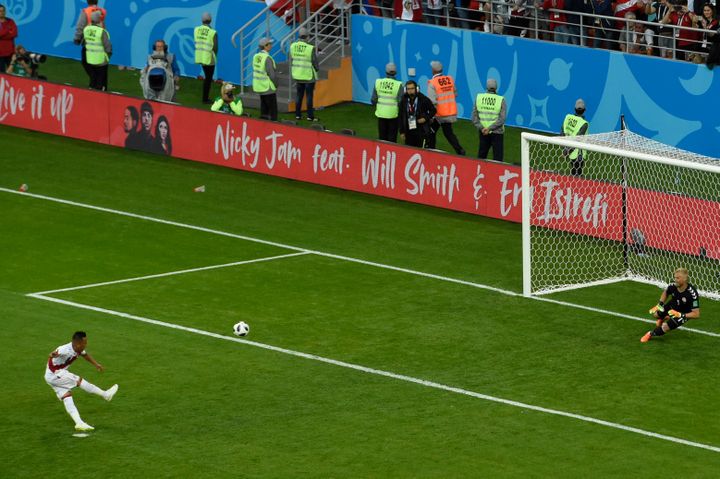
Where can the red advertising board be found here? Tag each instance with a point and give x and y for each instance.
(385, 169)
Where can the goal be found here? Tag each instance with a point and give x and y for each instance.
(633, 209)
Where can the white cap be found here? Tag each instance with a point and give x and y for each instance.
(303, 33)
(265, 42)
(436, 66)
(491, 84)
(580, 104)
(206, 17)
(390, 68)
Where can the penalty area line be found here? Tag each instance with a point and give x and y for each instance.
(342, 258)
(388, 374)
(173, 273)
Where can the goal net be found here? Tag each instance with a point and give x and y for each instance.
(633, 208)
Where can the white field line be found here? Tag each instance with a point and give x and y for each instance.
(380, 372)
(343, 258)
(173, 273)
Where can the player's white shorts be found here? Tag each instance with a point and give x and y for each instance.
(62, 381)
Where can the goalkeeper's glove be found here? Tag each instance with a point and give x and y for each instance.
(676, 315)
(659, 308)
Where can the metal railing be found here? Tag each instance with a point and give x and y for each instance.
(328, 30)
(580, 28)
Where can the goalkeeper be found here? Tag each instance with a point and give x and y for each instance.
(678, 303)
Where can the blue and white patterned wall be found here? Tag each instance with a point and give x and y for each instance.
(48, 26)
(672, 102)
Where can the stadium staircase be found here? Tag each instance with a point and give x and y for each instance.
(329, 31)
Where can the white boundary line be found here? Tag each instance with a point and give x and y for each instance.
(379, 372)
(172, 273)
(344, 258)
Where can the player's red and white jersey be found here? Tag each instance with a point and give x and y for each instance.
(65, 357)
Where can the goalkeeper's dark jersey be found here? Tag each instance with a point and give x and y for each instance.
(683, 302)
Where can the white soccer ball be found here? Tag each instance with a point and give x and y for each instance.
(241, 329)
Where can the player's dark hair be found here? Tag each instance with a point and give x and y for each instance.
(79, 335)
(92, 2)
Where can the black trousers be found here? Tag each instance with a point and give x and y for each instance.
(98, 77)
(494, 140)
(447, 129)
(388, 129)
(577, 166)
(268, 107)
(85, 64)
(4, 63)
(301, 90)
(415, 139)
(208, 71)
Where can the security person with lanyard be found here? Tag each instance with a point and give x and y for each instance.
(416, 114)
(98, 51)
(265, 79)
(488, 116)
(386, 97)
(304, 73)
(206, 49)
(576, 125)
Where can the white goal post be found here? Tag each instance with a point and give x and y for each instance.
(617, 206)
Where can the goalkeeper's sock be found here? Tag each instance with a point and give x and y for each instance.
(658, 331)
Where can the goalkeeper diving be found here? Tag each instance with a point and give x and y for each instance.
(678, 303)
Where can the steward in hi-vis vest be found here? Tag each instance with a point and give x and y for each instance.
(576, 125)
(442, 93)
(206, 49)
(386, 96)
(488, 116)
(98, 51)
(265, 80)
(304, 73)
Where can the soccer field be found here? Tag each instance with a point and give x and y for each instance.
(387, 339)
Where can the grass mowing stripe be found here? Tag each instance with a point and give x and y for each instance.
(380, 372)
(340, 257)
(173, 273)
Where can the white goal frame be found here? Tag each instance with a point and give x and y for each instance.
(576, 142)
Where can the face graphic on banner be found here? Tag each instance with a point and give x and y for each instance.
(140, 133)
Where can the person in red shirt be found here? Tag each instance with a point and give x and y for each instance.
(680, 16)
(8, 33)
(558, 20)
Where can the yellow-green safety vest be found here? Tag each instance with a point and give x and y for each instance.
(301, 55)
(234, 106)
(488, 107)
(94, 48)
(387, 92)
(204, 42)
(261, 81)
(571, 127)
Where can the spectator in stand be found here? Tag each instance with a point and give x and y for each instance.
(656, 11)
(558, 20)
(82, 22)
(8, 33)
(633, 38)
(409, 10)
(19, 63)
(680, 16)
(461, 14)
(709, 23)
(386, 8)
(435, 12)
(206, 49)
(601, 29)
(415, 116)
(519, 22)
(622, 7)
(573, 21)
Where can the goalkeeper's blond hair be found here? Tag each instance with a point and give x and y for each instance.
(683, 271)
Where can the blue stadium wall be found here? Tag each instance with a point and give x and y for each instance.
(672, 102)
(48, 26)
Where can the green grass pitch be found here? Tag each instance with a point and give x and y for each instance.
(204, 405)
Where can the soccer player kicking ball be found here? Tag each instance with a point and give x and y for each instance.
(63, 381)
(678, 303)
